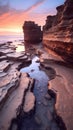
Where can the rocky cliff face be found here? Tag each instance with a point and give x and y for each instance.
(58, 31)
(32, 32)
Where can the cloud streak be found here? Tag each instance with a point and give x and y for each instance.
(38, 3)
(12, 19)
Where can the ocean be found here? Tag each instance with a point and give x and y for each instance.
(6, 38)
(15, 39)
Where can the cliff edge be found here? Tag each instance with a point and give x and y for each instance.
(58, 31)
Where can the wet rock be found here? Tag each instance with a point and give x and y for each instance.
(49, 115)
(25, 57)
(39, 52)
(48, 128)
(4, 66)
(8, 83)
(54, 126)
(15, 56)
(2, 44)
(63, 104)
(11, 107)
(38, 61)
(3, 58)
(41, 90)
(14, 127)
(45, 103)
(38, 120)
(28, 54)
(9, 42)
(2, 74)
(32, 70)
(29, 102)
(39, 103)
(6, 51)
(48, 97)
(28, 60)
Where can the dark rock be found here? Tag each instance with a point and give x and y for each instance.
(45, 103)
(32, 70)
(49, 22)
(3, 58)
(32, 32)
(38, 120)
(48, 97)
(49, 115)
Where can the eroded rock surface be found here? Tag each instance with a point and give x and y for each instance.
(58, 35)
(13, 85)
(32, 32)
(12, 105)
(62, 86)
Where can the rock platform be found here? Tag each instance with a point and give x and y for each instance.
(14, 86)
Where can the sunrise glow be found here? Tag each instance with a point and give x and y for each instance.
(14, 13)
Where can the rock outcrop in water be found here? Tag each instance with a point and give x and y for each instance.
(32, 32)
(58, 31)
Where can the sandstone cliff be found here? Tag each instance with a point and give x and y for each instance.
(58, 31)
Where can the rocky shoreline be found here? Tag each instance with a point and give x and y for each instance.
(17, 98)
(13, 84)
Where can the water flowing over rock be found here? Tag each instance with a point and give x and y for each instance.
(32, 32)
(58, 31)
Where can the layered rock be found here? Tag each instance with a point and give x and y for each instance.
(62, 85)
(15, 87)
(32, 32)
(58, 31)
(12, 105)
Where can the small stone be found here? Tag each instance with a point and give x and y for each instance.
(45, 103)
(38, 120)
(47, 96)
(39, 103)
(48, 128)
(37, 61)
(32, 70)
(27, 54)
(41, 90)
(14, 127)
(49, 115)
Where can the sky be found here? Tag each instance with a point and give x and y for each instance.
(13, 13)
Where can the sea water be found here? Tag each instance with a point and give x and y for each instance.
(6, 38)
